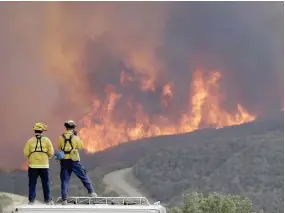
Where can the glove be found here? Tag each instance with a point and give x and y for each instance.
(74, 132)
(59, 155)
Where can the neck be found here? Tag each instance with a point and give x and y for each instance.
(38, 135)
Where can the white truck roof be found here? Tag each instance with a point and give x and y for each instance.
(96, 205)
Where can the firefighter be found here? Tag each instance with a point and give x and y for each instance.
(69, 144)
(39, 150)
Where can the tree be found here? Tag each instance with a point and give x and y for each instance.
(213, 203)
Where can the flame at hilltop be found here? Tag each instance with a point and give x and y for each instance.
(101, 129)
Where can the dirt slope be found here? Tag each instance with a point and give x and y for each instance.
(123, 182)
(17, 200)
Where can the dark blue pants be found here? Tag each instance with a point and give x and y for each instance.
(67, 167)
(33, 177)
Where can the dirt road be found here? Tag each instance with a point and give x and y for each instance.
(123, 182)
(17, 200)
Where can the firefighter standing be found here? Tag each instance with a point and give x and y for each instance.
(39, 150)
(69, 144)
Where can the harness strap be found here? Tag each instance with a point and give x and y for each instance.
(65, 142)
(39, 141)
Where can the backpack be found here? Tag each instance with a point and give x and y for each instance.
(65, 142)
(74, 155)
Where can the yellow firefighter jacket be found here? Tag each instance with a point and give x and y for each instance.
(39, 150)
(66, 146)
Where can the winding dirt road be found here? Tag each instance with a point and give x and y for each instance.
(123, 182)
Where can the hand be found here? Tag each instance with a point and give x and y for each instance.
(74, 132)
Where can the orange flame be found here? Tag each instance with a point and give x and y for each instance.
(204, 110)
(167, 94)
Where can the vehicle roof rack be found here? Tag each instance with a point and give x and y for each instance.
(106, 200)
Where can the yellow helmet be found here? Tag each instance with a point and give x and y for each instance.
(40, 126)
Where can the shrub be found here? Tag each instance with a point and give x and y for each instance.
(213, 203)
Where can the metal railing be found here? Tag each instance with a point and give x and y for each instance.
(107, 200)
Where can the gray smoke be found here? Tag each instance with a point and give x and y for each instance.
(54, 54)
(242, 40)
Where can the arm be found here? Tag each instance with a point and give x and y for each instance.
(79, 143)
(59, 142)
(27, 149)
(50, 149)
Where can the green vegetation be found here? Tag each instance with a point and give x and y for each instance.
(213, 203)
(249, 165)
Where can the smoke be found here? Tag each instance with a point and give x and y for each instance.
(244, 40)
(56, 57)
(167, 43)
(27, 94)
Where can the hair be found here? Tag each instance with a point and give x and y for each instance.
(38, 131)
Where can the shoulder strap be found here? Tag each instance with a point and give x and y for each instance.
(39, 141)
(65, 142)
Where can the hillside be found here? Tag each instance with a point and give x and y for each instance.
(129, 154)
(116, 157)
(248, 164)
